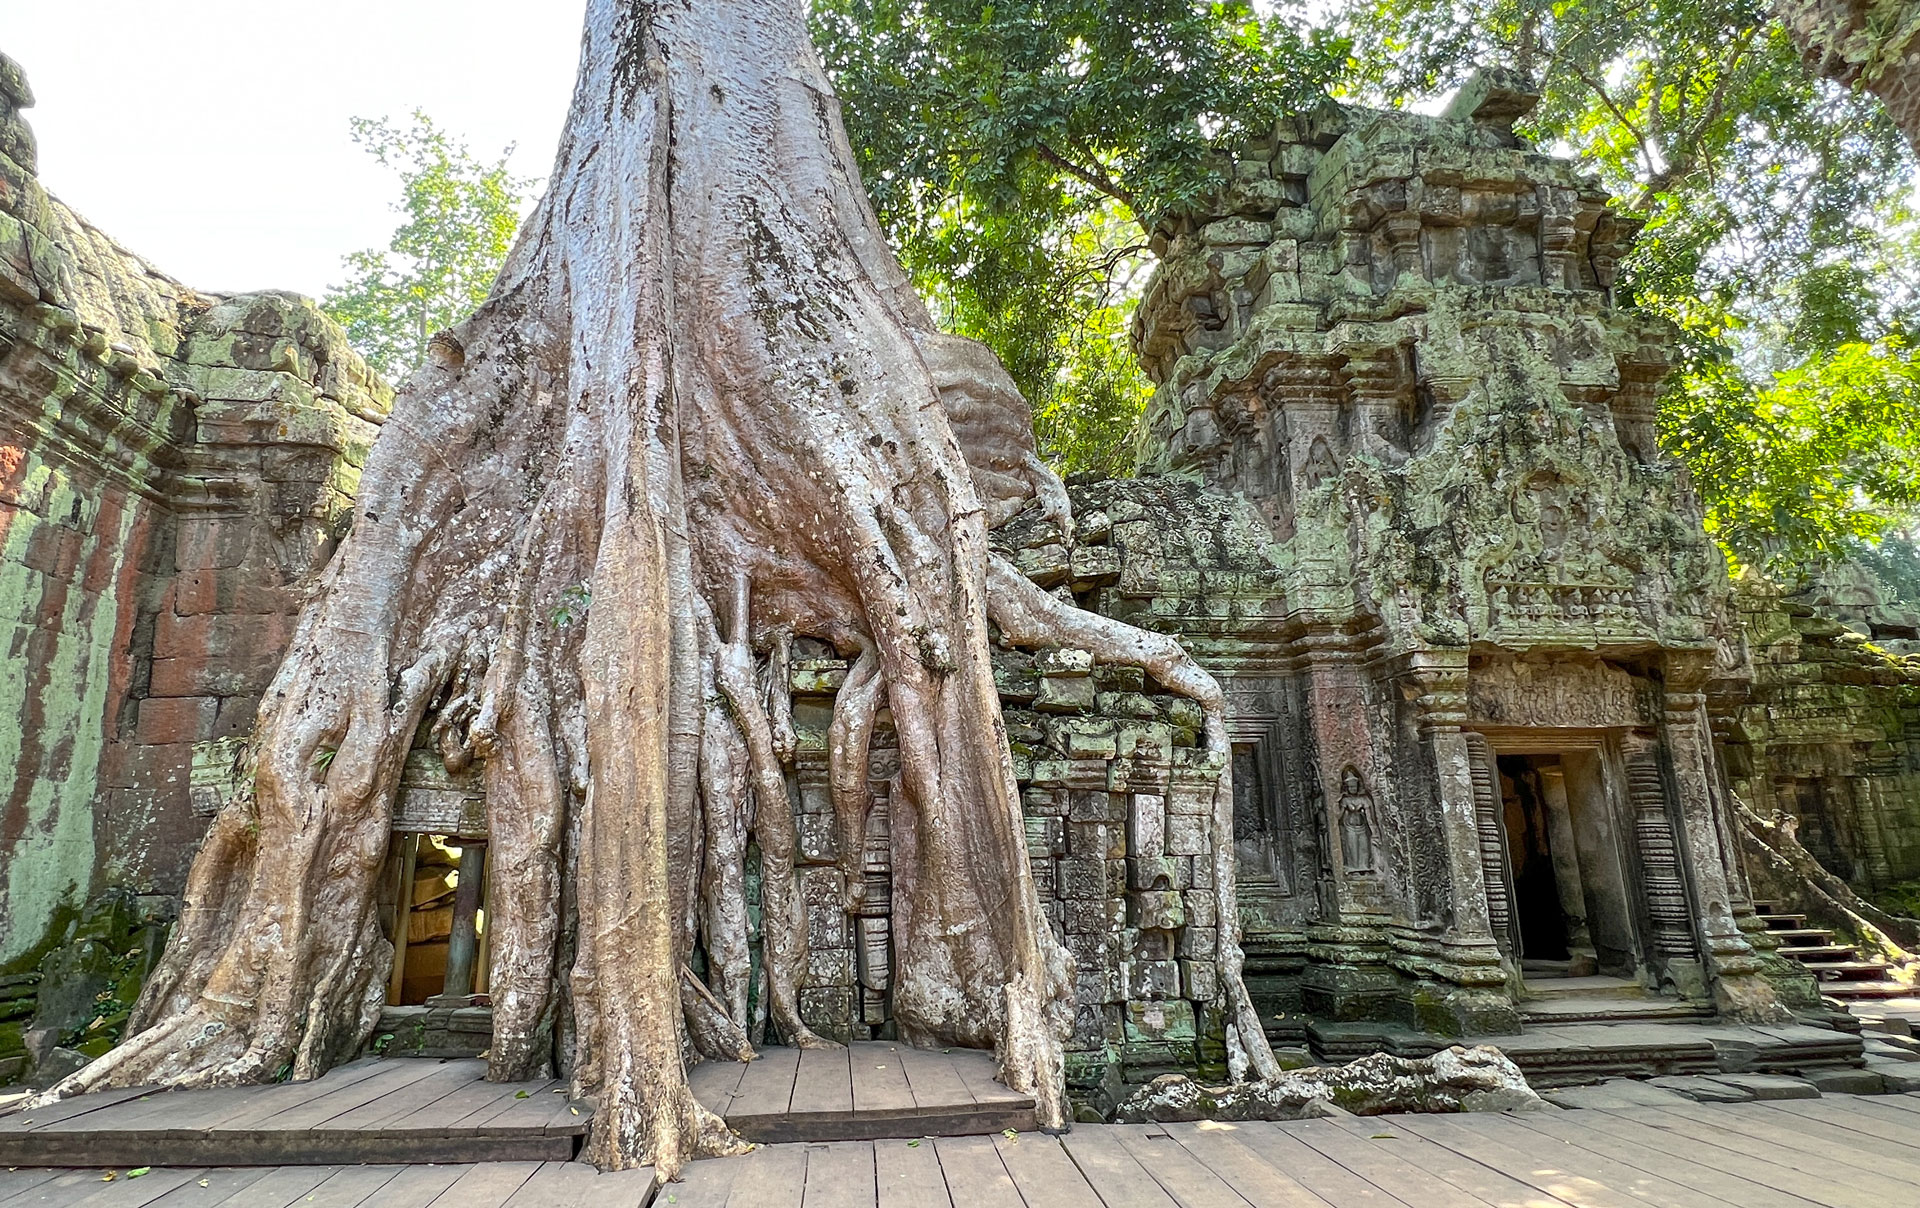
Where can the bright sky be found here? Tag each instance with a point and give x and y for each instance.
(212, 137)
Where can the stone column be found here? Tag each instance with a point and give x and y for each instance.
(1466, 952)
(1566, 871)
(1739, 990)
(1490, 836)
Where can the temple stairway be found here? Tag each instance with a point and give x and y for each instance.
(1843, 972)
(1598, 998)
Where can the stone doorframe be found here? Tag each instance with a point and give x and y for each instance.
(1615, 857)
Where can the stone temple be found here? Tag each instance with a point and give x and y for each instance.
(1496, 711)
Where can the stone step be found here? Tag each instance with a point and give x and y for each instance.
(1553, 1012)
(1811, 936)
(1850, 991)
(1776, 921)
(1823, 952)
(1597, 986)
(1857, 970)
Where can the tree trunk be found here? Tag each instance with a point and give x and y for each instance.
(702, 412)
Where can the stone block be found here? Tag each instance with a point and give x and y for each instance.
(1082, 878)
(1150, 980)
(1166, 1020)
(1092, 805)
(1064, 694)
(1703, 1090)
(1159, 873)
(1082, 737)
(1047, 565)
(1157, 910)
(1147, 837)
(1845, 1082)
(1202, 908)
(826, 928)
(1090, 565)
(1063, 661)
(177, 719)
(1188, 835)
(1199, 979)
(1046, 837)
(1770, 1086)
(1899, 1077)
(1197, 942)
(1097, 916)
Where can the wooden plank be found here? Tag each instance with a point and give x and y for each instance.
(1324, 1177)
(1179, 1173)
(79, 1105)
(481, 1121)
(486, 1185)
(1111, 1171)
(212, 1187)
(1804, 1137)
(1043, 1173)
(1549, 1163)
(823, 1084)
(1647, 1173)
(906, 1174)
(977, 1070)
(714, 1082)
(1226, 1150)
(124, 1192)
(775, 1177)
(351, 1187)
(577, 1185)
(1377, 1157)
(1822, 1132)
(935, 1084)
(1484, 1184)
(332, 1101)
(766, 1087)
(417, 1186)
(459, 1109)
(63, 1188)
(1757, 1161)
(200, 1110)
(976, 1178)
(279, 1188)
(879, 1080)
(703, 1184)
(20, 1180)
(840, 1173)
(1854, 1116)
(413, 1101)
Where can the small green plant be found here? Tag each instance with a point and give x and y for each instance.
(575, 600)
(323, 759)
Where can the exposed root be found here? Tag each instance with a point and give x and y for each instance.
(1890, 935)
(783, 914)
(1032, 617)
(849, 743)
(723, 887)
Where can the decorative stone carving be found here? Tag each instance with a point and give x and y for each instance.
(1659, 857)
(1356, 824)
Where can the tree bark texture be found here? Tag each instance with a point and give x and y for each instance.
(701, 413)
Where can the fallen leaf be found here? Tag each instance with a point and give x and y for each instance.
(574, 1110)
(1384, 1137)
(522, 1095)
(913, 1144)
(109, 1177)
(137, 1171)
(203, 1182)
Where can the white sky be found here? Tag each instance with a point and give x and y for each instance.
(212, 137)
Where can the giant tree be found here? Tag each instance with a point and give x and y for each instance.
(703, 405)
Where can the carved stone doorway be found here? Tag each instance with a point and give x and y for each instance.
(1549, 895)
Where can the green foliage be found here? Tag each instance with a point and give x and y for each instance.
(1779, 237)
(1823, 458)
(1016, 153)
(461, 216)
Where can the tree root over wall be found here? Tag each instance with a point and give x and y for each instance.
(701, 413)
(1891, 936)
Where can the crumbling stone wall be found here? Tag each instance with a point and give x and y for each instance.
(172, 465)
(1829, 729)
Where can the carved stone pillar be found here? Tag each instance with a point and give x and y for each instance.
(1565, 848)
(1659, 855)
(1495, 869)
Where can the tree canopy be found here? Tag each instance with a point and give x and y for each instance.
(1017, 152)
(461, 215)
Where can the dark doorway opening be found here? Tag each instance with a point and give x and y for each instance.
(1538, 913)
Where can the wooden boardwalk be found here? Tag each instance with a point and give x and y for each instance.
(1833, 1152)
(369, 1111)
(865, 1091)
